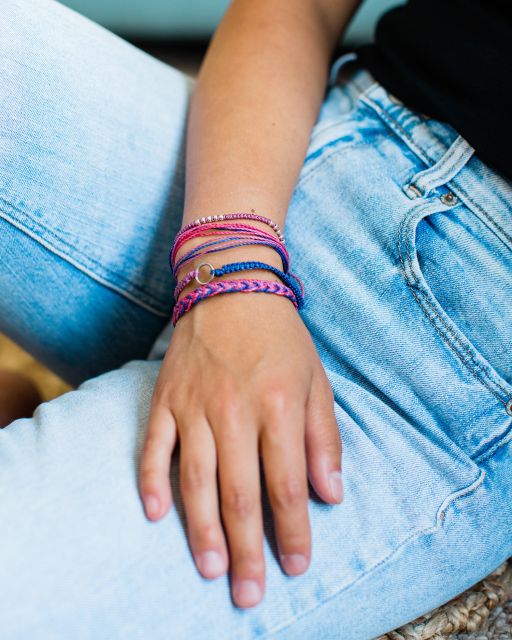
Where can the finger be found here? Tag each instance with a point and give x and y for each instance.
(284, 460)
(239, 477)
(154, 482)
(198, 483)
(323, 442)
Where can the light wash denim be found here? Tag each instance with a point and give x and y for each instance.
(403, 240)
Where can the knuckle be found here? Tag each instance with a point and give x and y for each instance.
(299, 543)
(149, 478)
(238, 502)
(249, 563)
(288, 493)
(193, 476)
(334, 446)
(226, 410)
(276, 401)
(208, 535)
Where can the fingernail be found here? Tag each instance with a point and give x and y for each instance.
(152, 505)
(336, 485)
(247, 592)
(294, 563)
(210, 563)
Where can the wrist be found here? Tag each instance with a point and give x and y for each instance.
(204, 268)
(239, 254)
(256, 252)
(237, 310)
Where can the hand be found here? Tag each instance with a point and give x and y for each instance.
(242, 377)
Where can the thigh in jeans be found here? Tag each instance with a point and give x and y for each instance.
(427, 473)
(91, 189)
(426, 470)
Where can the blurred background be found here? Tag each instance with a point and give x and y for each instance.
(178, 32)
(192, 19)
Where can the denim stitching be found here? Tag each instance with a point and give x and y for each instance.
(35, 227)
(456, 337)
(425, 296)
(68, 258)
(452, 497)
(435, 176)
(418, 280)
(485, 379)
(401, 132)
(501, 441)
(434, 170)
(482, 210)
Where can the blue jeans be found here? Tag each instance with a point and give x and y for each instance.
(403, 239)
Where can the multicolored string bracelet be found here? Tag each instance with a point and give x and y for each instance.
(220, 229)
(229, 286)
(235, 216)
(241, 235)
(289, 279)
(227, 234)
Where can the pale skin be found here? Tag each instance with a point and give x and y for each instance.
(242, 381)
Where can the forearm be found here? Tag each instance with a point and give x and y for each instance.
(242, 385)
(257, 97)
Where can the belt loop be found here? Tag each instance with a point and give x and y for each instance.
(338, 63)
(446, 168)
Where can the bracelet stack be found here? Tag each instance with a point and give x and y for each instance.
(225, 232)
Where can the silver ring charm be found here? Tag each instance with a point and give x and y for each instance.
(204, 264)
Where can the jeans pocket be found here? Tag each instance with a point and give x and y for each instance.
(429, 237)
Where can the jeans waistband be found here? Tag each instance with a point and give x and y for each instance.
(450, 161)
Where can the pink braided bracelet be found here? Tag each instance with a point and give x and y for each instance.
(243, 285)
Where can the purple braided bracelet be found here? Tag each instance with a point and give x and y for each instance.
(243, 285)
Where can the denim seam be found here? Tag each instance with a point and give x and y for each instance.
(452, 497)
(481, 209)
(64, 256)
(398, 129)
(402, 133)
(487, 377)
(434, 312)
(473, 366)
(32, 229)
(435, 175)
(492, 447)
(457, 338)
(432, 170)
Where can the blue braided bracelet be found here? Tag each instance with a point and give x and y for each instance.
(289, 279)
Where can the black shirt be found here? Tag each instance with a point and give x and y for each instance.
(451, 60)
